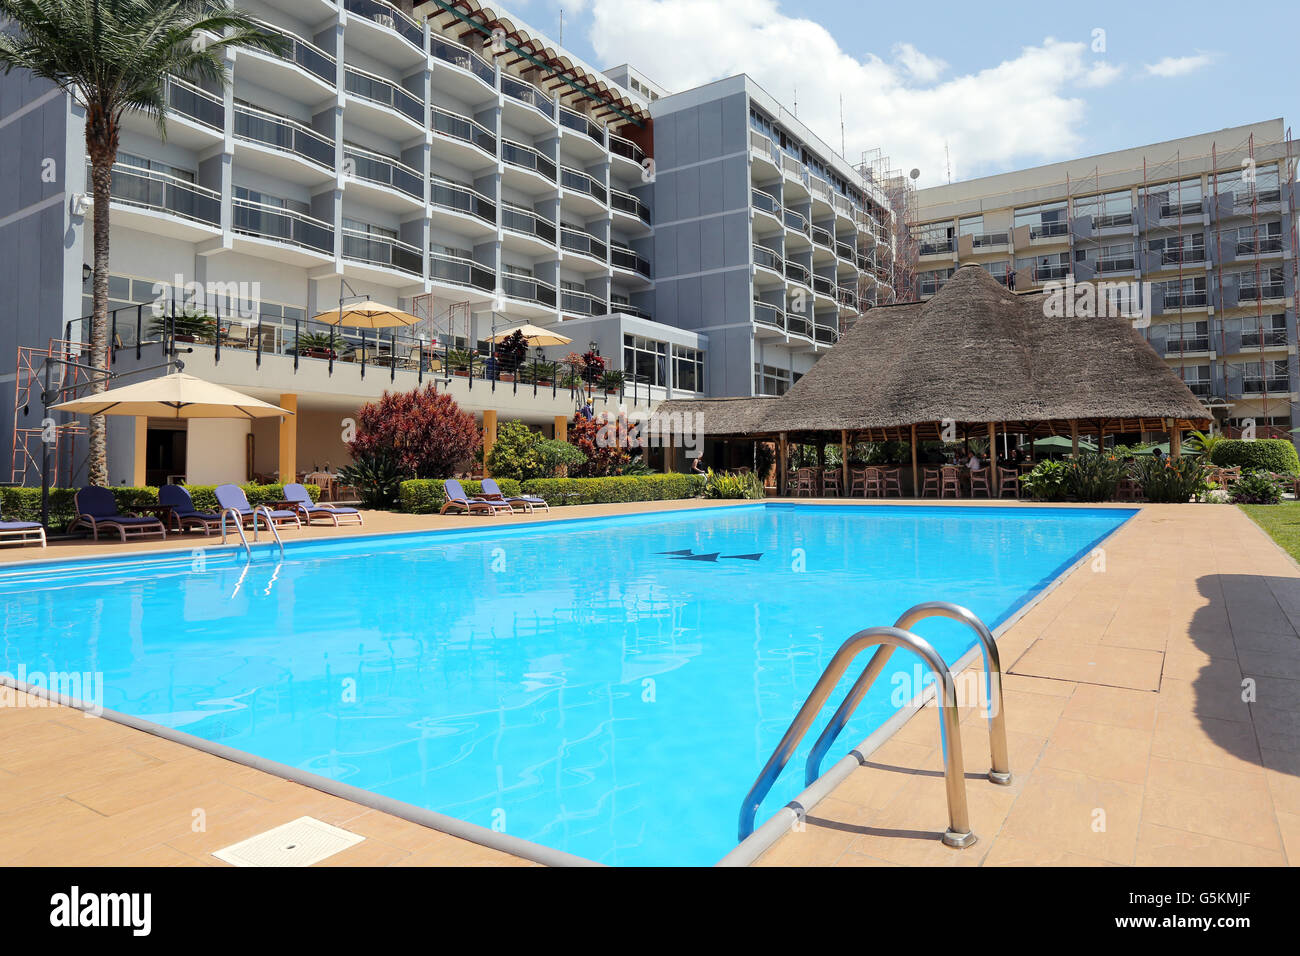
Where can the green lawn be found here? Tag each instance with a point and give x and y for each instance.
(1282, 522)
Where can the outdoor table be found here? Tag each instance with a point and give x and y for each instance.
(164, 513)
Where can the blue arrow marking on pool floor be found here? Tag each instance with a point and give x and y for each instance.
(743, 557)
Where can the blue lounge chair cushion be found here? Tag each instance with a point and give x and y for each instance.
(182, 504)
(302, 498)
(19, 525)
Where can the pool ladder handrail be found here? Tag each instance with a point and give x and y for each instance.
(999, 763)
(959, 833)
(239, 526)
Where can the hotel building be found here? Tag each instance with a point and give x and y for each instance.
(1206, 224)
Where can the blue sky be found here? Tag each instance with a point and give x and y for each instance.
(1002, 85)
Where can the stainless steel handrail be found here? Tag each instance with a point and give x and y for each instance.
(239, 526)
(270, 523)
(1000, 767)
(959, 834)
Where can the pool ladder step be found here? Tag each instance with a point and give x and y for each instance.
(885, 640)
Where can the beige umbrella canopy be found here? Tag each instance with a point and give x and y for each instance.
(534, 335)
(367, 315)
(174, 396)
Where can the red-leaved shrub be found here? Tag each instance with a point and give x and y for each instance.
(424, 428)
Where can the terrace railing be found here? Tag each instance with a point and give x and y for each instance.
(464, 129)
(525, 157)
(280, 132)
(283, 225)
(160, 192)
(382, 92)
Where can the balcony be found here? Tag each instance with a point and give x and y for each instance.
(822, 237)
(941, 247)
(377, 169)
(797, 222)
(1177, 210)
(621, 257)
(389, 18)
(1196, 343)
(824, 286)
(540, 170)
(531, 233)
(1122, 263)
(768, 259)
(528, 289)
(538, 112)
(826, 334)
(573, 302)
(844, 250)
(1199, 389)
(159, 194)
(797, 324)
(583, 192)
(1183, 300)
(195, 103)
(572, 120)
(1265, 338)
(462, 140)
(624, 148)
(1049, 230)
(762, 147)
(629, 206)
(321, 67)
(459, 198)
(584, 244)
(1262, 245)
(465, 273)
(1049, 273)
(1253, 293)
(469, 63)
(797, 273)
(847, 298)
(289, 137)
(377, 91)
(769, 315)
(627, 308)
(765, 202)
(284, 226)
(1254, 386)
(1184, 256)
(382, 251)
(988, 240)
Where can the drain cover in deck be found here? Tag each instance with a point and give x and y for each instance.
(300, 842)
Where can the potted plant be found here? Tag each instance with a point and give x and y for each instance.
(459, 360)
(612, 380)
(318, 344)
(510, 353)
(189, 326)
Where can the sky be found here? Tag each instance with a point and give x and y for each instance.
(960, 90)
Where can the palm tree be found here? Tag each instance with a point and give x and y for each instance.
(114, 57)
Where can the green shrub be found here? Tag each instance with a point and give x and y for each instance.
(1256, 488)
(1093, 477)
(1265, 454)
(1046, 481)
(726, 485)
(555, 454)
(1170, 480)
(516, 452)
(612, 490)
(425, 496)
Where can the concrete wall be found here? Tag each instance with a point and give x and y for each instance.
(215, 453)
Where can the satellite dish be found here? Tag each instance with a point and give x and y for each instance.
(915, 174)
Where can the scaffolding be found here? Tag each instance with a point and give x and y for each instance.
(28, 446)
(888, 216)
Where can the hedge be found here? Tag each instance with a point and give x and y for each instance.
(425, 496)
(1266, 454)
(24, 503)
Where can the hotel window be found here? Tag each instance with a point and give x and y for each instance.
(1106, 209)
(1267, 285)
(1117, 257)
(645, 360)
(770, 380)
(1173, 250)
(1188, 337)
(931, 282)
(688, 368)
(1264, 187)
(1266, 237)
(377, 232)
(1258, 332)
(142, 162)
(1182, 198)
(997, 270)
(1196, 378)
(1046, 268)
(1269, 376)
(1184, 294)
(1046, 219)
(934, 237)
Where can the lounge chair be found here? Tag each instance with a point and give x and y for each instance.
(492, 492)
(459, 501)
(22, 532)
(232, 498)
(184, 513)
(97, 508)
(308, 509)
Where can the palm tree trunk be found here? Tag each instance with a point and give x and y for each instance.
(102, 149)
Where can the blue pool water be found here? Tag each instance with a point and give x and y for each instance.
(569, 682)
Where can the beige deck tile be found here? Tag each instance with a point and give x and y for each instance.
(1242, 816)
(1012, 851)
(1282, 774)
(1290, 826)
(1079, 814)
(1166, 846)
(1206, 740)
(1095, 664)
(1112, 706)
(1113, 753)
(1217, 695)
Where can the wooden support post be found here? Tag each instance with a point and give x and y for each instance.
(916, 481)
(562, 434)
(1074, 439)
(489, 437)
(782, 453)
(1175, 442)
(993, 457)
(844, 463)
(141, 452)
(289, 440)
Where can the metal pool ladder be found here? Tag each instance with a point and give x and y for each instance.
(239, 526)
(885, 639)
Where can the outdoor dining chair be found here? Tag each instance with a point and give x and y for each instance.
(950, 480)
(831, 483)
(981, 481)
(893, 484)
(1009, 483)
(930, 482)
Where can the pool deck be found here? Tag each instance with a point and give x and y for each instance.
(1129, 739)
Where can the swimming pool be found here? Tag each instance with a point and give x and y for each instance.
(608, 687)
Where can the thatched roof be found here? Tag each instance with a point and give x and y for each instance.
(976, 353)
(718, 417)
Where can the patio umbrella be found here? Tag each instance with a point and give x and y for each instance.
(533, 335)
(1061, 443)
(173, 396)
(367, 315)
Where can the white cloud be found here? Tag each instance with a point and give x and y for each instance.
(924, 69)
(1023, 110)
(1179, 65)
